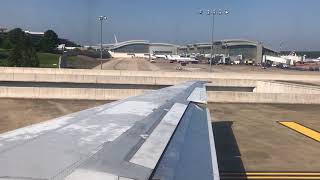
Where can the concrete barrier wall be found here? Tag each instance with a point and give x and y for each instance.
(281, 87)
(232, 82)
(272, 98)
(266, 92)
(149, 80)
(11, 72)
(117, 94)
(132, 79)
(69, 93)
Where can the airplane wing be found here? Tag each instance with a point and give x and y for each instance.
(162, 135)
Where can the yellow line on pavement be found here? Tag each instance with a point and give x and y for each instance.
(272, 173)
(271, 177)
(303, 130)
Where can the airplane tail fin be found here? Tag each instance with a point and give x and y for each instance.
(115, 39)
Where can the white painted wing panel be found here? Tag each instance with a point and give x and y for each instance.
(150, 152)
(198, 95)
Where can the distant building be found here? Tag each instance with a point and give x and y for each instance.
(35, 33)
(252, 51)
(62, 47)
(140, 48)
(249, 50)
(3, 30)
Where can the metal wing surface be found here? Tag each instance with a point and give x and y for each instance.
(164, 134)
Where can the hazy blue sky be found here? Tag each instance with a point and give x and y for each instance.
(294, 22)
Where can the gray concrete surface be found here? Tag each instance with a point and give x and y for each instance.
(136, 64)
(18, 113)
(249, 138)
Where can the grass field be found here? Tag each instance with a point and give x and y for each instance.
(47, 60)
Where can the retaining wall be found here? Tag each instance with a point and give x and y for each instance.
(282, 87)
(272, 98)
(154, 77)
(69, 93)
(266, 92)
(117, 94)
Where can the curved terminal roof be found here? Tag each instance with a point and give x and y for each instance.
(225, 42)
(164, 44)
(132, 42)
(230, 42)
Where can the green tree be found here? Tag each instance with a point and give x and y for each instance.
(6, 44)
(49, 42)
(15, 57)
(15, 36)
(23, 54)
(30, 58)
(1, 40)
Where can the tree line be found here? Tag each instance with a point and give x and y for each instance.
(24, 47)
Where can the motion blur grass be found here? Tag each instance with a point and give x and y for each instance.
(48, 60)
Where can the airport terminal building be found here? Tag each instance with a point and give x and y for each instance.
(249, 50)
(141, 48)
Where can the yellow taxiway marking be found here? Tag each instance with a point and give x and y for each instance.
(302, 129)
(270, 175)
(273, 173)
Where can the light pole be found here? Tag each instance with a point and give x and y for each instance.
(281, 46)
(101, 19)
(213, 13)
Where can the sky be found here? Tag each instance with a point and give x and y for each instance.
(293, 23)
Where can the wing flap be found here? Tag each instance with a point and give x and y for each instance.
(151, 150)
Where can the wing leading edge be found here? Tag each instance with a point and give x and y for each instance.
(153, 136)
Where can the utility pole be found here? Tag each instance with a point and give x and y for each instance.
(101, 19)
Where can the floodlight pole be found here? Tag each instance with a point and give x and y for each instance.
(101, 19)
(212, 42)
(281, 46)
(213, 13)
(101, 45)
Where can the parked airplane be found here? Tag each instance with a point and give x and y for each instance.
(315, 60)
(179, 59)
(164, 134)
(293, 58)
(159, 56)
(290, 59)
